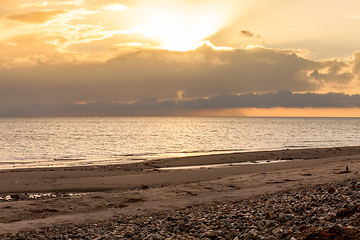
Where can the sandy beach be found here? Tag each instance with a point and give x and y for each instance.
(36, 198)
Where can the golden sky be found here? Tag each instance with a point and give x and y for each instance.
(158, 57)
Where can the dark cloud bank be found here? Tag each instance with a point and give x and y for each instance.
(153, 107)
(206, 79)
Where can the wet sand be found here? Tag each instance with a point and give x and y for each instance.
(111, 192)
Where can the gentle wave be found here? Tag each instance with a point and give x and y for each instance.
(40, 142)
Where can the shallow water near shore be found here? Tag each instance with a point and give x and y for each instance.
(59, 142)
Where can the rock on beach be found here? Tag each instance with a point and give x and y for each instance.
(308, 213)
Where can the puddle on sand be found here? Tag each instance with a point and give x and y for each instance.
(223, 165)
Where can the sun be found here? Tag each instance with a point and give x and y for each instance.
(180, 31)
(178, 36)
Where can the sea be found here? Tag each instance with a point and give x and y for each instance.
(68, 142)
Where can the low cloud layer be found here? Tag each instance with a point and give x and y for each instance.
(285, 99)
(153, 107)
(201, 79)
(162, 74)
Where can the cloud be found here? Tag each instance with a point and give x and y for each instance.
(356, 63)
(333, 73)
(34, 4)
(284, 98)
(250, 34)
(32, 50)
(203, 78)
(247, 33)
(233, 37)
(115, 7)
(153, 107)
(74, 2)
(161, 74)
(39, 4)
(35, 17)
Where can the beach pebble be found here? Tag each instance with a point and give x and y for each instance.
(252, 233)
(282, 217)
(268, 224)
(289, 215)
(211, 234)
(182, 227)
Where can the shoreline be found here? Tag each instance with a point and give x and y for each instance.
(172, 171)
(156, 158)
(111, 192)
(212, 158)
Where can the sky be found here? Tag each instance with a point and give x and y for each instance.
(180, 58)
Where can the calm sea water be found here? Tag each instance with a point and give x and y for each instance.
(40, 142)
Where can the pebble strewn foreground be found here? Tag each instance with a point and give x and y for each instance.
(330, 211)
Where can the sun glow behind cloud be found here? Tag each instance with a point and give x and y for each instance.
(181, 29)
(132, 50)
(96, 26)
(177, 36)
(115, 7)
